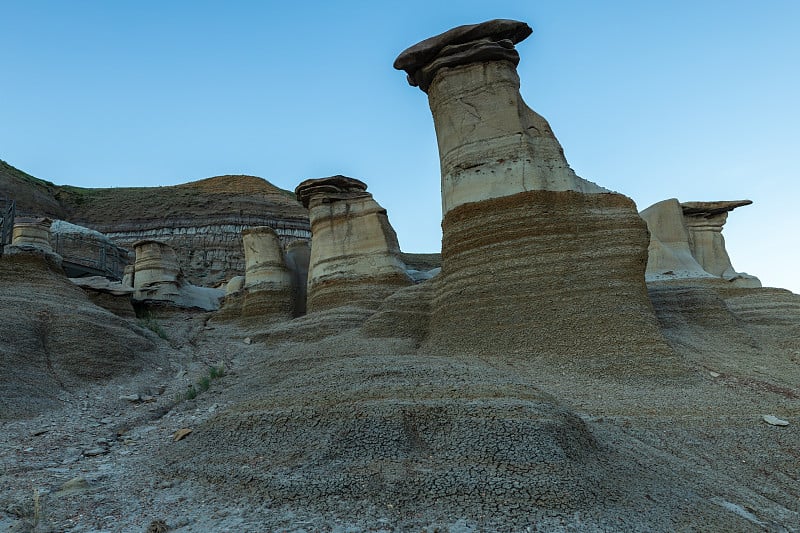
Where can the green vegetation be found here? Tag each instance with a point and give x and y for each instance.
(202, 385)
(147, 320)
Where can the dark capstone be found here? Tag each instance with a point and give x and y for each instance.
(333, 185)
(488, 41)
(709, 209)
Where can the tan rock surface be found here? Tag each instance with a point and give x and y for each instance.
(705, 221)
(158, 279)
(491, 144)
(669, 255)
(268, 282)
(354, 250)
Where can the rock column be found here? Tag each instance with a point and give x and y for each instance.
(34, 233)
(705, 221)
(156, 272)
(268, 283)
(354, 250)
(535, 260)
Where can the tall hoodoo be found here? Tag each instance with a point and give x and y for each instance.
(354, 250)
(535, 259)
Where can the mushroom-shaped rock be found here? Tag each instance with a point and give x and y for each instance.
(491, 144)
(354, 250)
(535, 259)
(669, 254)
(705, 221)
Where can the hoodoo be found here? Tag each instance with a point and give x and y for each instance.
(355, 256)
(686, 242)
(267, 280)
(535, 260)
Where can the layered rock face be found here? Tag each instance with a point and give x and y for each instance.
(201, 220)
(268, 283)
(686, 242)
(34, 233)
(535, 260)
(86, 251)
(355, 256)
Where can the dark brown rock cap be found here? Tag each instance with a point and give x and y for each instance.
(708, 209)
(492, 40)
(333, 186)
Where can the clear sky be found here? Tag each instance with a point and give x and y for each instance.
(697, 100)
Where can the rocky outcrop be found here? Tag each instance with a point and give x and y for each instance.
(33, 233)
(491, 144)
(354, 250)
(535, 260)
(202, 220)
(686, 242)
(88, 252)
(158, 278)
(110, 295)
(669, 255)
(267, 283)
(704, 221)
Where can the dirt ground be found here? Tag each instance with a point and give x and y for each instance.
(686, 453)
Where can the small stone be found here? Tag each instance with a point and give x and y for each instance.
(148, 398)
(107, 420)
(714, 374)
(181, 434)
(93, 452)
(247, 340)
(774, 420)
(75, 484)
(130, 397)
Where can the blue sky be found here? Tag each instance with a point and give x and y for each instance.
(695, 100)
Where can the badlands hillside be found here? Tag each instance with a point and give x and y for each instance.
(570, 362)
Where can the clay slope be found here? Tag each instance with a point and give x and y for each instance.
(350, 424)
(54, 341)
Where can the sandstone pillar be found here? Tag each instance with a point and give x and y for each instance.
(33, 233)
(267, 282)
(705, 221)
(535, 260)
(156, 271)
(354, 250)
